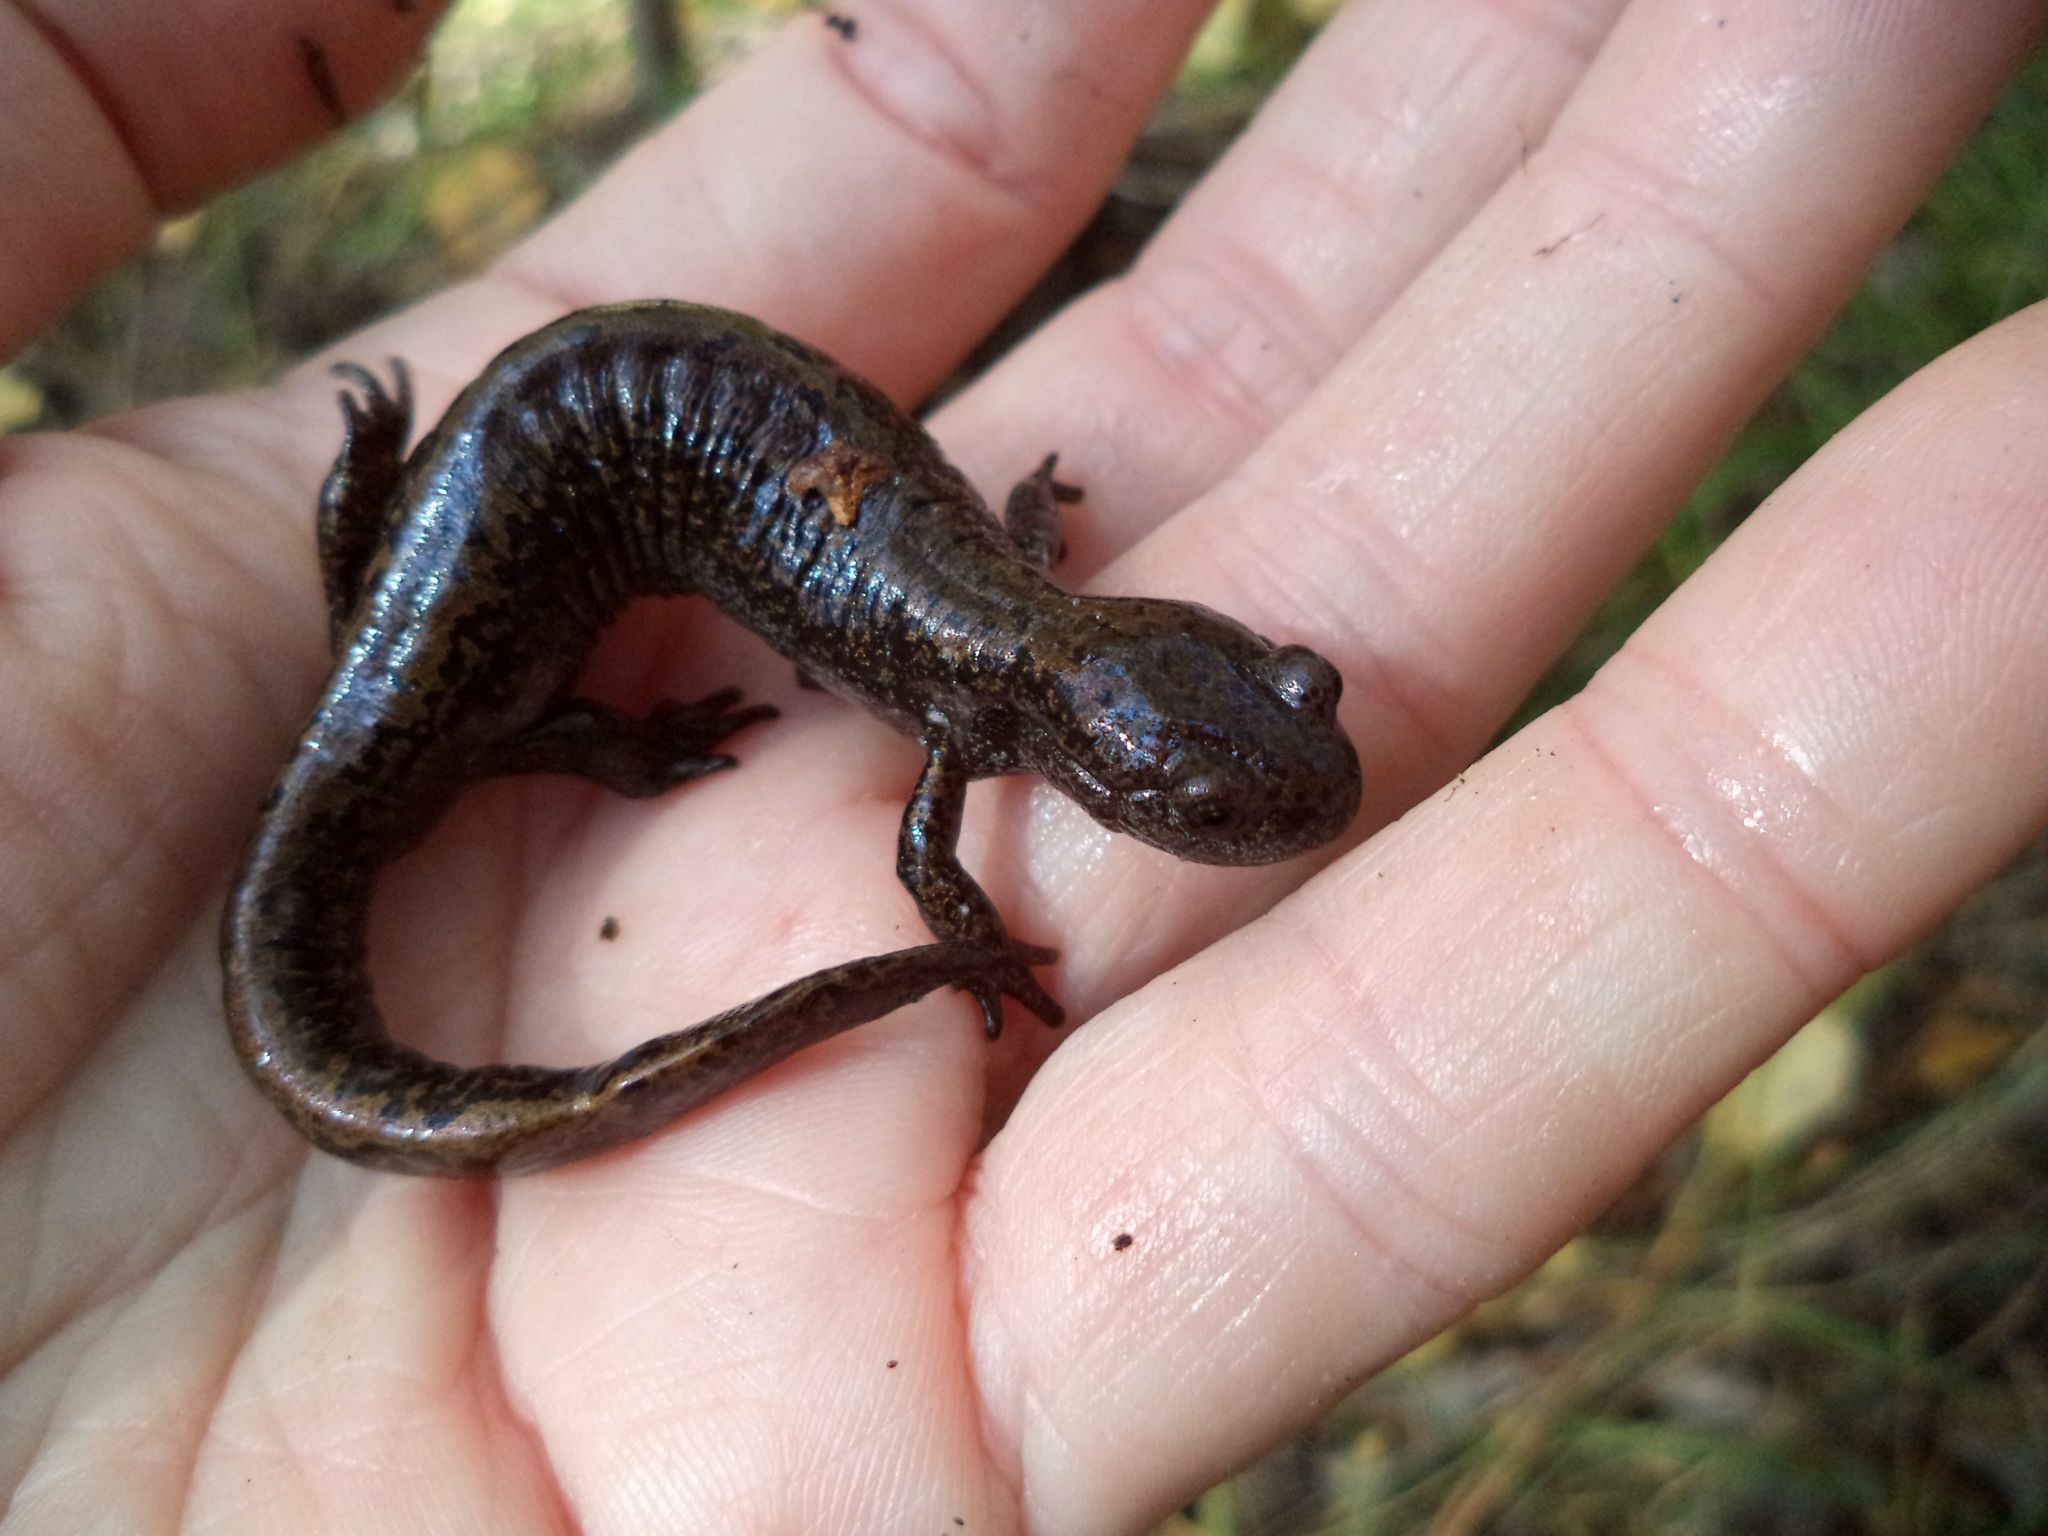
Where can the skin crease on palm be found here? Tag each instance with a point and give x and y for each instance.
(1412, 377)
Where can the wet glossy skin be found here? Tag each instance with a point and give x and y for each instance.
(666, 448)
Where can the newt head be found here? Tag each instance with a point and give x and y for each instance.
(1186, 730)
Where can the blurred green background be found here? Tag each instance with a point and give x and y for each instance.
(1825, 1309)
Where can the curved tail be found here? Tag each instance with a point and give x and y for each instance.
(300, 1014)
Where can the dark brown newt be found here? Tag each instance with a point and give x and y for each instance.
(665, 448)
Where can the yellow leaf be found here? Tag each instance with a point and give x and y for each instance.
(1427, 1353)
(1954, 1052)
(176, 237)
(482, 200)
(1221, 39)
(1789, 1099)
(21, 402)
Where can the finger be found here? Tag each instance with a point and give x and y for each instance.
(1398, 122)
(929, 166)
(113, 115)
(1335, 1132)
(885, 195)
(1446, 510)
(1449, 504)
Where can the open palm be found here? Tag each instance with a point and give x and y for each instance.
(1413, 376)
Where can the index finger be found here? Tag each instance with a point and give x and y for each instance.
(883, 186)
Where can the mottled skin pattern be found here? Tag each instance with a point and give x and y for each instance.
(667, 448)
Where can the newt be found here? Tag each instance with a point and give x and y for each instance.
(668, 448)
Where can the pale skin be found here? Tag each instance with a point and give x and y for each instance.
(1419, 369)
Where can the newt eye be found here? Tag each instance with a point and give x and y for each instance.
(1304, 679)
(1203, 802)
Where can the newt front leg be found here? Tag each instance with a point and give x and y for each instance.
(358, 501)
(952, 904)
(1031, 517)
(950, 900)
(636, 757)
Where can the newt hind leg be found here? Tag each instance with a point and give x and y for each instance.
(670, 745)
(360, 490)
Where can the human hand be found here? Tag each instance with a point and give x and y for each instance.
(1384, 387)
